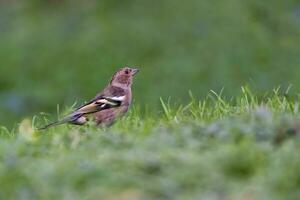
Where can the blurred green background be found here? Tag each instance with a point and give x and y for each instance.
(58, 52)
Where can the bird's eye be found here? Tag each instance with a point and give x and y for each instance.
(126, 71)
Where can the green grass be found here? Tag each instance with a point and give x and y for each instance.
(61, 51)
(57, 52)
(216, 148)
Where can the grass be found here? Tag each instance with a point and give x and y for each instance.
(243, 148)
(64, 51)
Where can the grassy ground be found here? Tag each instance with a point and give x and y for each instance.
(244, 148)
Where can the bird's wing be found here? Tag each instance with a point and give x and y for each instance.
(99, 104)
(110, 97)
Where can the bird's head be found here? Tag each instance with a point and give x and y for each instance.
(123, 77)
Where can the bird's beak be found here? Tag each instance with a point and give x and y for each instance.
(135, 71)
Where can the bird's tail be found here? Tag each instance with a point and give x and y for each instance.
(51, 125)
(72, 119)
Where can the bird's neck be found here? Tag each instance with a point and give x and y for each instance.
(122, 86)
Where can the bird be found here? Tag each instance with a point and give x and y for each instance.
(110, 104)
